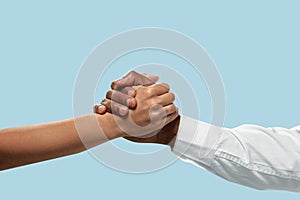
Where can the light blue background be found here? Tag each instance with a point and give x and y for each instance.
(255, 46)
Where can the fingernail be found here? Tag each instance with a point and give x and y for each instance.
(113, 85)
(101, 109)
(116, 84)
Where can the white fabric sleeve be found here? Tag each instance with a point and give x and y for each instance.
(257, 157)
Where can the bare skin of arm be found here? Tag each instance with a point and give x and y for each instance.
(31, 144)
(25, 145)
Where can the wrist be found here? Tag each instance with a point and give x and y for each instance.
(109, 126)
(168, 134)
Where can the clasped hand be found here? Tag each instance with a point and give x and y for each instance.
(143, 109)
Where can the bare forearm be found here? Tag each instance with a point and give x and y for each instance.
(25, 145)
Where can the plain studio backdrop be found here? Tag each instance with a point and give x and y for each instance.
(255, 46)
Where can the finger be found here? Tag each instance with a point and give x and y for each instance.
(145, 81)
(115, 108)
(169, 109)
(172, 117)
(152, 77)
(165, 99)
(99, 109)
(129, 91)
(121, 98)
(123, 82)
(156, 90)
(131, 79)
(161, 88)
(166, 115)
(160, 112)
(127, 80)
(132, 93)
(140, 79)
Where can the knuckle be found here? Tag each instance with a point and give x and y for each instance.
(131, 73)
(109, 94)
(104, 101)
(128, 91)
(125, 90)
(148, 91)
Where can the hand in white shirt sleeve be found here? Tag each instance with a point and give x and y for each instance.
(261, 158)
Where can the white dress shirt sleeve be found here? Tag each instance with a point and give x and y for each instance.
(257, 157)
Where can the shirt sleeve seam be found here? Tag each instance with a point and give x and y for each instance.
(257, 167)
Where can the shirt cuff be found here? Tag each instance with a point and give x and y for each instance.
(196, 140)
